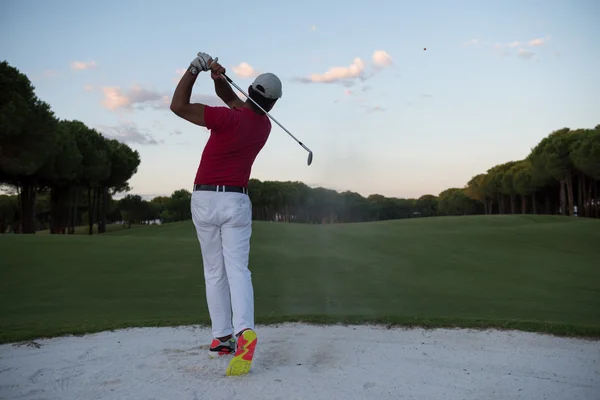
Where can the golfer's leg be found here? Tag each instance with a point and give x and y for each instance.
(235, 233)
(215, 277)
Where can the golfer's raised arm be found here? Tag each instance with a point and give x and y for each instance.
(180, 104)
(226, 93)
(224, 90)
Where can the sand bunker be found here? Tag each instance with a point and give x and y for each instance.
(296, 361)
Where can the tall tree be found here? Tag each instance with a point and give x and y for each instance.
(59, 174)
(27, 138)
(507, 186)
(476, 189)
(95, 166)
(585, 155)
(551, 159)
(524, 185)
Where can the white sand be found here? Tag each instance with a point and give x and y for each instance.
(295, 361)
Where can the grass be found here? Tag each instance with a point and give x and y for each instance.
(85, 230)
(532, 273)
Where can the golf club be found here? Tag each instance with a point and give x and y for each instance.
(310, 154)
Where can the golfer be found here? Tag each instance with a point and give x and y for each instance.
(221, 208)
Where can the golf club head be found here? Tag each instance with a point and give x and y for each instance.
(310, 157)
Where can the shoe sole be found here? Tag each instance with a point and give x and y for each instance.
(241, 363)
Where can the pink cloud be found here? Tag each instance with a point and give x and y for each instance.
(537, 42)
(335, 74)
(139, 97)
(245, 70)
(347, 74)
(80, 65)
(382, 59)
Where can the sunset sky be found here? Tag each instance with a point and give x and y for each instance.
(381, 114)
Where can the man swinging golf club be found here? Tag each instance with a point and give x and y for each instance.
(221, 208)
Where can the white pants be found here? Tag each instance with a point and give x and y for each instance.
(223, 222)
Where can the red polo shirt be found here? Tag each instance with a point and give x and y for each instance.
(236, 138)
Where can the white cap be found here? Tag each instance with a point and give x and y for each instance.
(270, 85)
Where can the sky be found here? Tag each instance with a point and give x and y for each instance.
(380, 113)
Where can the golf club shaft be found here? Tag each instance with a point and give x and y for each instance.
(269, 115)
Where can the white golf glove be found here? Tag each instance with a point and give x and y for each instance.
(201, 62)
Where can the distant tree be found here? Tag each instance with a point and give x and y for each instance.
(124, 163)
(179, 204)
(524, 184)
(427, 205)
(9, 212)
(477, 189)
(454, 201)
(133, 208)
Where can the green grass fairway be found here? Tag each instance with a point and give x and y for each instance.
(537, 273)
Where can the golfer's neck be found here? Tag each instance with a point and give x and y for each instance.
(248, 104)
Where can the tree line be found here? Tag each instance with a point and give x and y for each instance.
(561, 174)
(70, 162)
(64, 174)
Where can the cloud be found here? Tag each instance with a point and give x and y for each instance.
(139, 97)
(88, 88)
(115, 98)
(337, 74)
(520, 48)
(519, 43)
(347, 75)
(176, 132)
(537, 42)
(80, 65)
(382, 59)
(516, 43)
(525, 54)
(128, 133)
(245, 70)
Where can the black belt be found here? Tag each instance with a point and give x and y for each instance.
(221, 188)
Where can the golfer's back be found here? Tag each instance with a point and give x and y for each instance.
(237, 136)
